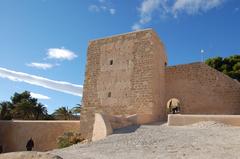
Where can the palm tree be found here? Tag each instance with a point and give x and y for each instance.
(40, 111)
(5, 110)
(24, 110)
(63, 113)
(77, 109)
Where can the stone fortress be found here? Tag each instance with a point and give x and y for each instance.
(128, 81)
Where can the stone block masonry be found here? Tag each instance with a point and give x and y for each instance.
(202, 90)
(127, 80)
(124, 77)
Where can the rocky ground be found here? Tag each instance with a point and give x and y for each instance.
(28, 155)
(205, 140)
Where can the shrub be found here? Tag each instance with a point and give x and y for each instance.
(69, 138)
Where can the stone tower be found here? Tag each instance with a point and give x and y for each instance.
(125, 77)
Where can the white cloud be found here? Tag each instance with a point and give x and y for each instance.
(61, 54)
(102, 6)
(112, 11)
(146, 10)
(39, 96)
(94, 8)
(164, 8)
(60, 86)
(43, 66)
(196, 6)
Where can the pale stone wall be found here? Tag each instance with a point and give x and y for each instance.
(124, 77)
(202, 89)
(158, 85)
(181, 120)
(15, 134)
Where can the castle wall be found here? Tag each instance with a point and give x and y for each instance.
(127, 80)
(202, 89)
(125, 76)
(15, 134)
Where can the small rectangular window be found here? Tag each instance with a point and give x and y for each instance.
(109, 94)
(111, 62)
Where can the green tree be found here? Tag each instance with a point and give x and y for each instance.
(63, 113)
(229, 65)
(23, 106)
(24, 110)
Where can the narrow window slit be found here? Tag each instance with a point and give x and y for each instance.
(111, 62)
(109, 94)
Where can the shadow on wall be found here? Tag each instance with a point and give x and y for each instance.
(125, 130)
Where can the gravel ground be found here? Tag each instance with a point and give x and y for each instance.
(205, 140)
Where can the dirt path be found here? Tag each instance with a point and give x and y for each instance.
(199, 141)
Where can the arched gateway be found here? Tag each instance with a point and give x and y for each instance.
(173, 106)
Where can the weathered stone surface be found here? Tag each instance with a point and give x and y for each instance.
(125, 76)
(87, 119)
(28, 155)
(101, 127)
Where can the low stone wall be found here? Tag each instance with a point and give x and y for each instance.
(181, 120)
(15, 134)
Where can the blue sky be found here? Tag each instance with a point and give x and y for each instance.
(43, 43)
